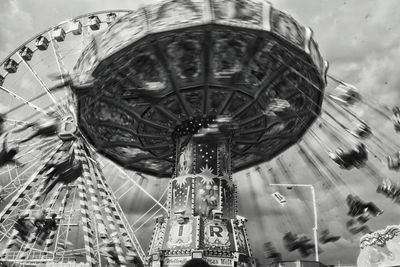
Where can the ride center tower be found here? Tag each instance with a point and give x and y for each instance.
(202, 219)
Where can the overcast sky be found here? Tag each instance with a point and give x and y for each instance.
(359, 38)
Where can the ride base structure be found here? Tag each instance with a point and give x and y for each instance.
(202, 220)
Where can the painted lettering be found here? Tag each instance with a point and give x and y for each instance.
(215, 229)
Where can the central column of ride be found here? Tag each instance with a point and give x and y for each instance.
(202, 202)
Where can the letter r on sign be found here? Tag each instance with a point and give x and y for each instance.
(217, 230)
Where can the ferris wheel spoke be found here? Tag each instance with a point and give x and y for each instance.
(37, 146)
(63, 73)
(152, 207)
(3, 232)
(23, 105)
(23, 100)
(139, 186)
(148, 219)
(49, 145)
(9, 173)
(124, 193)
(43, 85)
(59, 59)
(116, 192)
(20, 175)
(15, 179)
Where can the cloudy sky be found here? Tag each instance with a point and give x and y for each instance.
(361, 41)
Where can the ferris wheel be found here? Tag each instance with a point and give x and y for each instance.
(29, 128)
(61, 177)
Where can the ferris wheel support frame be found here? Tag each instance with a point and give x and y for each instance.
(118, 210)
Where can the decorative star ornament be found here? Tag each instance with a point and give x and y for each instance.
(207, 175)
(181, 180)
(225, 177)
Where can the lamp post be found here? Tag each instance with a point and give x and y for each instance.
(315, 212)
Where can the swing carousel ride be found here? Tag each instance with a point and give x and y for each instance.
(218, 96)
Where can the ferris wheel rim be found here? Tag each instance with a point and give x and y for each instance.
(58, 25)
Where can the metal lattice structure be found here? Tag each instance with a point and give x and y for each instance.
(27, 218)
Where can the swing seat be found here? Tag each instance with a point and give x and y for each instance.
(381, 189)
(396, 118)
(360, 164)
(349, 97)
(306, 250)
(397, 127)
(362, 131)
(363, 218)
(393, 162)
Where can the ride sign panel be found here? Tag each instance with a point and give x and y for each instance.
(217, 235)
(219, 261)
(175, 261)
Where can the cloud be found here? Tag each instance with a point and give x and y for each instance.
(14, 20)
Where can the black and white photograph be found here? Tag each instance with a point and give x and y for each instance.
(199, 133)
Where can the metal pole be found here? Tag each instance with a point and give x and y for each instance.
(315, 229)
(315, 223)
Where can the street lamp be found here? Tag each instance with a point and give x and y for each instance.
(315, 212)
